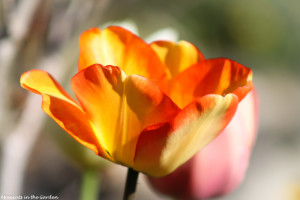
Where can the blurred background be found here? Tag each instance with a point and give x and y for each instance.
(38, 158)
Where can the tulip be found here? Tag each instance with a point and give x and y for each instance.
(219, 167)
(150, 107)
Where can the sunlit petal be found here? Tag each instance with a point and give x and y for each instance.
(62, 108)
(121, 107)
(119, 47)
(220, 167)
(214, 76)
(164, 147)
(177, 56)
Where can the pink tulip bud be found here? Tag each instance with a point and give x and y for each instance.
(220, 167)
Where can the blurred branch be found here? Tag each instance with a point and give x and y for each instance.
(32, 22)
(17, 146)
(2, 20)
(9, 47)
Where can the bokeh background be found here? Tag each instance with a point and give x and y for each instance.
(38, 158)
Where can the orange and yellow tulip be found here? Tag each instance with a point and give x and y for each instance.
(150, 107)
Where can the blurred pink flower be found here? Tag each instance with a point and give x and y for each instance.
(220, 167)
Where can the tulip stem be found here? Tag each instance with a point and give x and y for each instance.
(130, 186)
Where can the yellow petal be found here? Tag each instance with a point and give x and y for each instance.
(177, 56)
(62, 108)
(164, 147)
(120, 107)
(119, 47)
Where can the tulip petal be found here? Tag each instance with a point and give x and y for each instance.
(163, 147)
(214, 76)
(219, 167)
(177, 56)
(119, 47)
(62, 108)
(121, 107)
(228, 155)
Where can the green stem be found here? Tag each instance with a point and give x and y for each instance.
(130, 186)
(90, 185)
